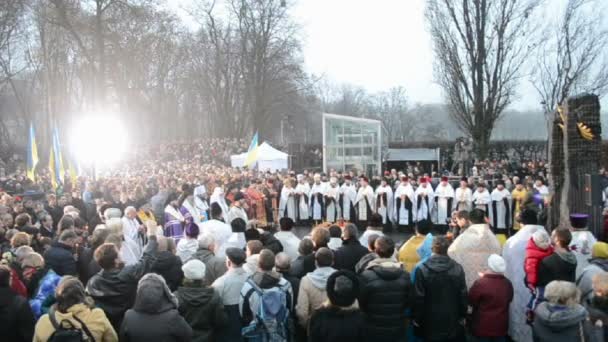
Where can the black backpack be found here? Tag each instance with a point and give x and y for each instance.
(65, 331)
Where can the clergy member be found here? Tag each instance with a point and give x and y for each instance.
(444, 197)
(481, 197)
(218, 197)
(464, 196)
(500, 212)
(348, 194)
(331, 197)
(317, 206)
(301, 192)
(364, 202)
(174, 220)
(405, 205)
(518, 196)
(424, 200)
(384, 203)
(287, 203)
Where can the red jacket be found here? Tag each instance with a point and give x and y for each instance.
(490, 297)
(534, 256)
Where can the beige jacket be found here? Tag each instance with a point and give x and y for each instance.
(95, 320)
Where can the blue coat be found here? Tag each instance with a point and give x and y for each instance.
(61, 259)
(45, 291)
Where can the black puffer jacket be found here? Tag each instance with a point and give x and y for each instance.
(114, 290)
(16, 317)
(329, 324)
(384, 298)
(347, 256)
(440, 299)
(169, 266)
(61, 260)
(202, 308)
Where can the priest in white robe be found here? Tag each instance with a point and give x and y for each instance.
(317, 206)
(132, 230)
(301, 194)
(404, 208)
(331, 197)
(444, 199)
(348, 194)
(582, 241)
(464, 196)
(287, 201)
(237, 210)
(384, 203)
(481, 198)
(196, 209)
(500, 211)
(222, 232)
(514, 253)
(364, 203)
(424, 200)
(218, 197)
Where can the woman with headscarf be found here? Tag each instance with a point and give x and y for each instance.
(154, 316)
(74, 306)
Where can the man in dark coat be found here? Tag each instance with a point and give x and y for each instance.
(200, 304)
(168, 265)
(60, 257)
(216, 267)
(560, 265)
(115, 286)
(16, 317)
(385, 294)
(303, 264)
(347, 256)
(440, 296)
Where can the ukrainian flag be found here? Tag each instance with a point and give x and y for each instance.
(56, 162)
(252, 151)
(32, 154)
(73, 169)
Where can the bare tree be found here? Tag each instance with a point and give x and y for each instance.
(572, 58)
(480, 46)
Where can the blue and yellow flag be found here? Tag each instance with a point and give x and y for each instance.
(56, 161)
(32, 154)
(73, 169)
(252, 151)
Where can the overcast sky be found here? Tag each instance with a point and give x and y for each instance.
(374, 44)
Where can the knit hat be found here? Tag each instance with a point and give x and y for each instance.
(600, 250)
(541, 239)
(497, 263)
(194, 269)
(342, 288)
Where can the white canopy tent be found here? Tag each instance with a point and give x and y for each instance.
(268, 158)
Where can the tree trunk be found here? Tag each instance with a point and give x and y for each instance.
(564, 209)
(99, 95)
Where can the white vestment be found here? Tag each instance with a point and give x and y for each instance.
(235, 212)
(582, 245)
(514, 253)
(287, 203)
(348, 195)
(445, 200)
(401, 215)
(315, 205)
(426, 204)
(132, 246)
(463, 198)
(503, 211)
(218, 197)
(481, 200)
(303, 190)
(385, 209)
(221, 232)
(332, 207)
(365, 197)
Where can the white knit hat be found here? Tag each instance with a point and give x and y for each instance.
(497, 263)
(194, 269)
(541, 239)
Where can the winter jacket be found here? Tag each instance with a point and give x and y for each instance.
(271, 242)
(202, 308)
(94, 319)
(365, 260)
(114, 290)
(440, 299)
(169, 266)
(557, 323)
(46, 290)
(597, 324)
(557, 266)
(16, 317)
(424, 252)
(154, 316)
(331, 323)
(250, 300)
(584, 281)
(384, 296)
(302, 265)
(347, 256)
(312, 293)
(408, 253)
(534, 256)
(490, 297)
(229, 288)
(216, 267)
(61, 259)
(186, 249)
(84, 262)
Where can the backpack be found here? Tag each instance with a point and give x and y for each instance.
(65, 331)
(271, 320)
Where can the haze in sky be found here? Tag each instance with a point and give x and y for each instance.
(375, 44)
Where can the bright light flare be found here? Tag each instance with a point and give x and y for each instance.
(99, 140)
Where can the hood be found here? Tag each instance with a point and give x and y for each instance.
(266, 280)
(203, 254)
(601, 263)
(532, 250)
(164, 260)
(425, 249)
(189, 245)
(385, 268)
(568, 256)
(364, 262)
(559, 317)
(439, 263)
(319, 276)
(153, 295)
(195, 296)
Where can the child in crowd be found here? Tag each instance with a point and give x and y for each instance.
(538, 248)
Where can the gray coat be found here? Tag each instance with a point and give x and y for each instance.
(216, 267)
(557, 323)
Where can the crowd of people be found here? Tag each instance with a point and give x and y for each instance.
(186, 249)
